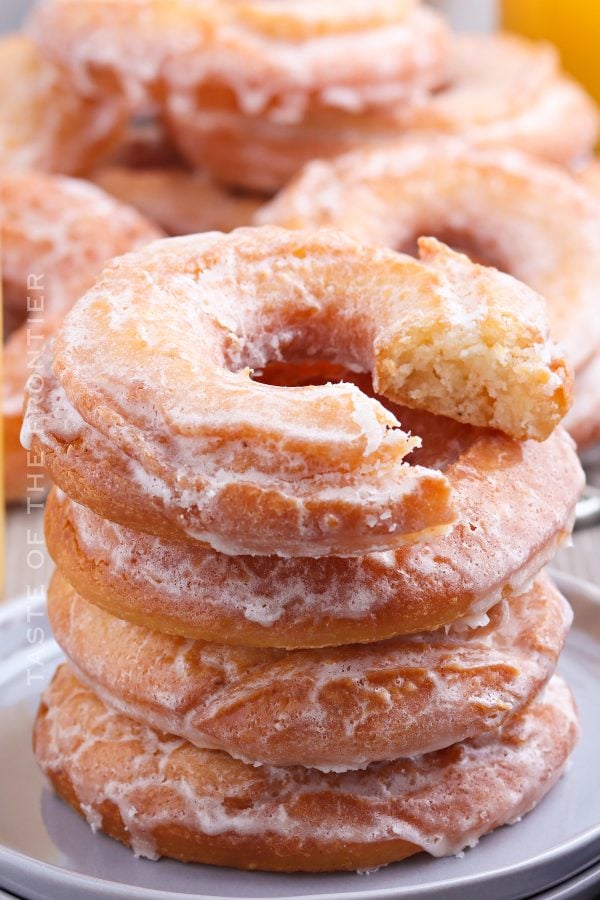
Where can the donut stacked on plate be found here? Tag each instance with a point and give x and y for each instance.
(250, 90)
(306, 487)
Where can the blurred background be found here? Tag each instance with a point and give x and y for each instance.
(572, 25)
(476, 15)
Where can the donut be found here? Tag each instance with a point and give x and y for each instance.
(491, 553)
(56, 234)
(501, 91)
(257, 153)
(504, 90)
(279, 55)
(354, 79)
(333, 709)
(164, 797)
(180, 201)
(528, 217)
(44, 123)
(259, 469)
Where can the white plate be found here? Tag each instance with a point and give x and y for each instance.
(47, 851)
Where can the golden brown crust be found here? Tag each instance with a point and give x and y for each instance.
(333, 708)
(101, 478)
(258, 154)
(165, 797)
(186, 588)
(240, 851)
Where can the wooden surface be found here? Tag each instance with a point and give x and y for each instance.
(26, 571)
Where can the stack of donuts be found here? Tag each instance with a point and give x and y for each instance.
(305, 490)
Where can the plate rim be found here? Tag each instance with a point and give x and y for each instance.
(14, 861)
(58, 876)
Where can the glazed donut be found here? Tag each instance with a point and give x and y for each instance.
(528, 217)
(259, 154)
(191, 590)
(502, 91)
(56, 234)
(44, 124)
(180, 201)
(333, 709)
(263, 54)
(252, 468)
(164, 797)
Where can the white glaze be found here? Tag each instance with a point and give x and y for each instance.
(493, 780)
(401, 697)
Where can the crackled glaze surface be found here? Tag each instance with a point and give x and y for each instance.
(161, 795)
(334, 709)
(156, 360)
(187, 588)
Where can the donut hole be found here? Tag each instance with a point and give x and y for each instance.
(444, 439)
(301, 373)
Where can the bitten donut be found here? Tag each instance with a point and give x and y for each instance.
(528, 217)
(333, 709)
(257, 54)
(57, 233)
(491, 553)
(44, 124)
(500, 91)
(164, 797)
(155, 361)
(180, 201)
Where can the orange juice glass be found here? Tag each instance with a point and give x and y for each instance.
(572, 25)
